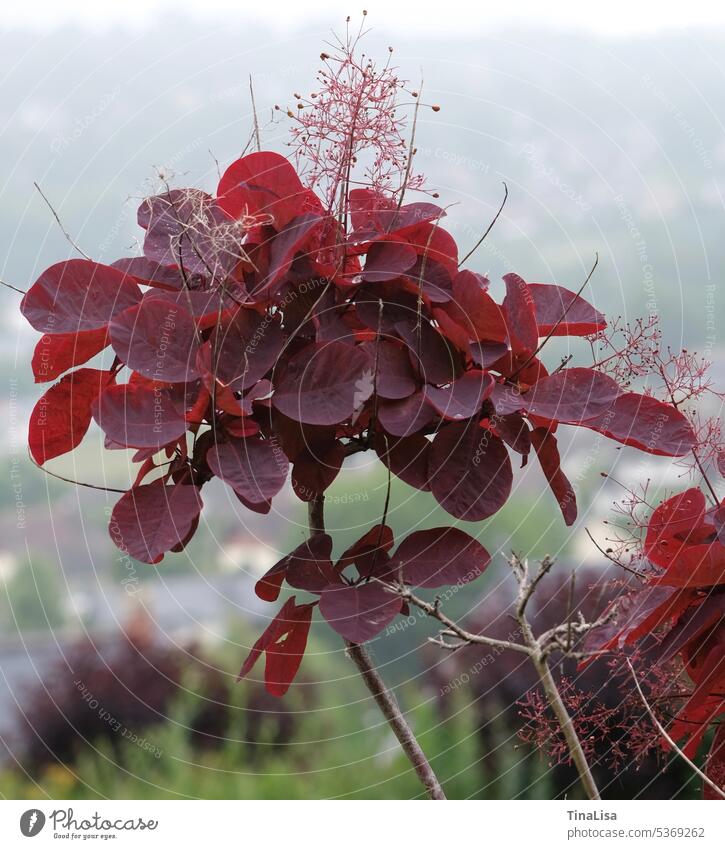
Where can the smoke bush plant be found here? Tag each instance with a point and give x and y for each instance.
(307, 312)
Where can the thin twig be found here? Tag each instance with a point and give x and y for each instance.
(671, 742)
(14, 288)
(254, 113)
(60, 223)
(489, 228)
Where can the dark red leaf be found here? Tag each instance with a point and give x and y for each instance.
(308, 567)
(554, 304)
(157, 338)
(150, 520)
(573, 395)
(469, 471)
(369, 551)
(150, 273)
(139, 415)
(432, 354)
(285, 656)
(358, 613)
(255, 468)
(78, 295)
(56, 353)
(242, 349)
(60, 419)
(284, 640)
(461, 399)
(325, 383)
(514, 431)
(395, 377)
(388, 259)
(547, 451)
(647, 424)
(477, 312)
(407, 458)
(292, 239)
(187, 228)
(407, 416)
(518, 306)
(440, 556)
(314, 470)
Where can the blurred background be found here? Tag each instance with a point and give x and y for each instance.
(117, 678)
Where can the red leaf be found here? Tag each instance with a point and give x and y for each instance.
(60, 419)
(359, 612)
(388, 259)
(407, 458)
(285, 656)
(242, 349)
(314, 470)
(371, 548)
(554, 304)
(325, 383)
(437, 361)
(680, 514)
(78, 295)
(646, 423)
(469, 471)
(255, 468)
(395, 378)
(150, 273)
(158, 339)
(284, 641)
(573, 395)
(518, 306)
(58, 352)
(440, 556)
(407, 416)
(548, 454)
(263, 184)
(462, 399)
(308, 567)
(186, 227)
(150, 520)
(477, 312)
(139, 415)
(292, 239)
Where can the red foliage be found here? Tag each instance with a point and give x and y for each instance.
(265, 326)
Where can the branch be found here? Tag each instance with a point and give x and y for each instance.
(60, 223)
(384, 699)
(489, 228)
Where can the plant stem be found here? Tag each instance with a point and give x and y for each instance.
(567, 726)
(384, 699)
(390, 709)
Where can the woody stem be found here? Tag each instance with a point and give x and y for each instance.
(384, 699)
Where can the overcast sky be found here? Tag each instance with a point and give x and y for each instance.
(615, 17)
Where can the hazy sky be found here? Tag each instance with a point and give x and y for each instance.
(613, 17)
